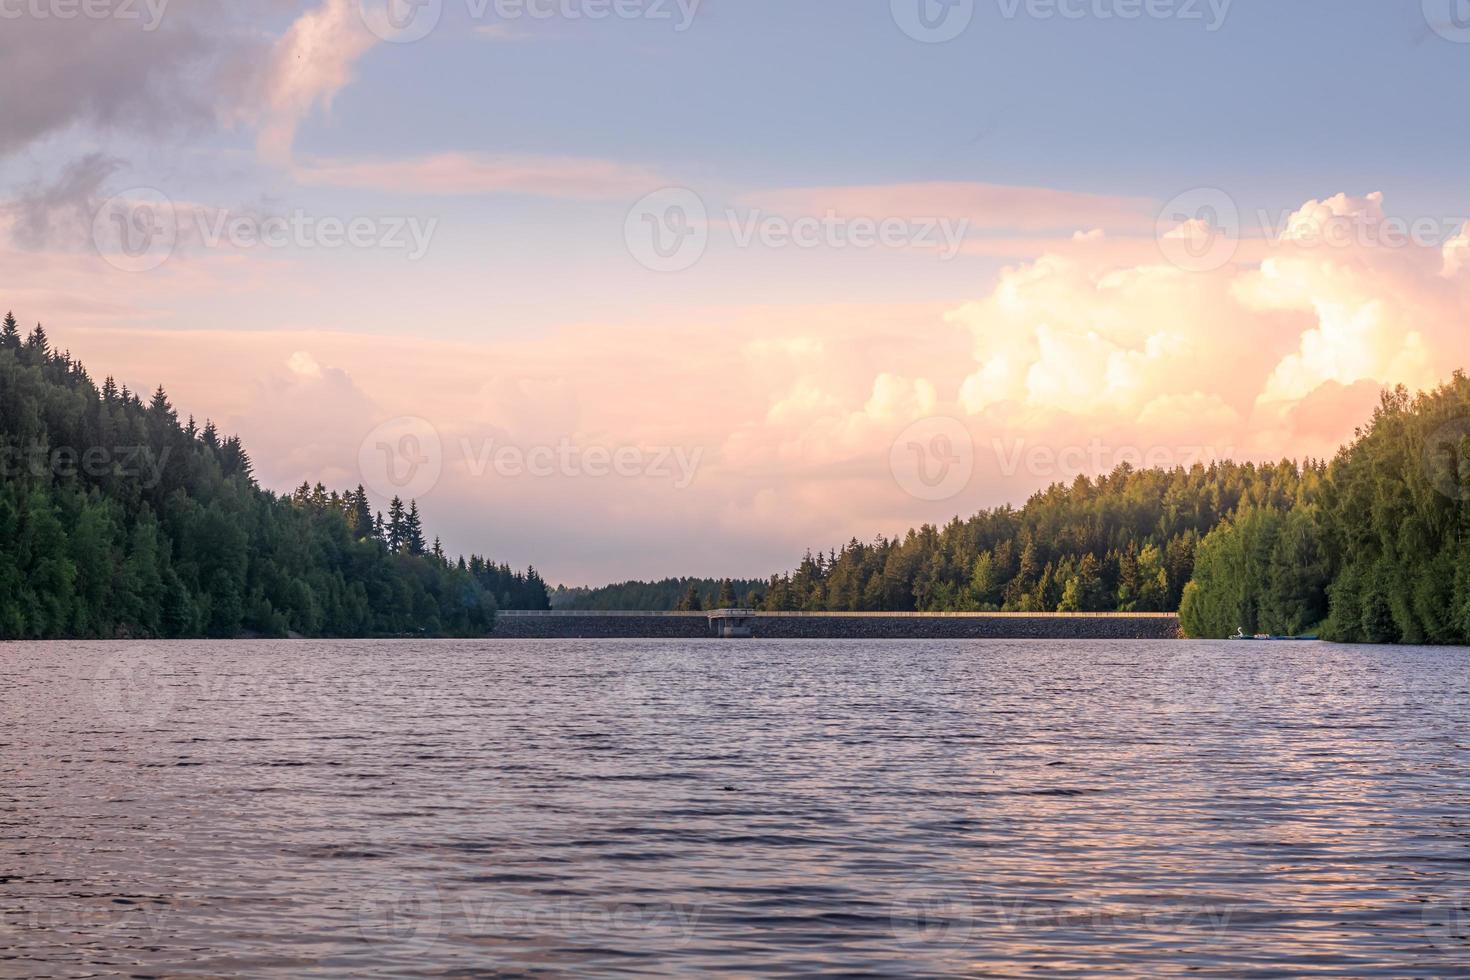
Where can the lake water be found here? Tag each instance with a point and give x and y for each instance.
(993, 808)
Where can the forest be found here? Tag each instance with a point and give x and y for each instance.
(1376, 550)
(1373, 546)
(119, 520)
(670, 594)
(1124, 541)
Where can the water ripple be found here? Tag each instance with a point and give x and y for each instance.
(591, 807)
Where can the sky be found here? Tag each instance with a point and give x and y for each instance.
(642, 288)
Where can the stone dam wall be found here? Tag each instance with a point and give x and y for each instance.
(844, 626)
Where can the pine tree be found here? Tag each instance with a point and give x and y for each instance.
(397, 526)
(10, 333)
(359, 513)
(160, 408)
(413, 530)
(38, 346)
(233, 458)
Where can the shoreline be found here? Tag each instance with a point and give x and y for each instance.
(592, 624)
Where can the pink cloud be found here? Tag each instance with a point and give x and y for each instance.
(1092, 352)
(470, 174)
(308, 66)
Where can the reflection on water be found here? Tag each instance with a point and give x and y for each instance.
(983, 808)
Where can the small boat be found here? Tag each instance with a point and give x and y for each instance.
(1240, 634)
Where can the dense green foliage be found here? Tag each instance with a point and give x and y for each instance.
(1377, 551)
(116, 520)
(1121, 542)
(665, 595)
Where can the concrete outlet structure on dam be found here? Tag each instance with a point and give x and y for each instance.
(743, 623)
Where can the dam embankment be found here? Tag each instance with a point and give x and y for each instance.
(842, 626)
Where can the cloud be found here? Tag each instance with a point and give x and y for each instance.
(179, 65)
(308, 66)
(1335, 303)
(474, 174)
(303, 422)
(1093, 344)
(59, 215)
(108, 73)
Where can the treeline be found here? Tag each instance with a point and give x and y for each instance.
(665, 595)
(1123, 542)
(403, 534)
(1376, 551)
(119, 520)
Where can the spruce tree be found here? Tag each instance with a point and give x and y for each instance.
(38, 346)
(413, 530)
(397, 525)
(360, 515)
